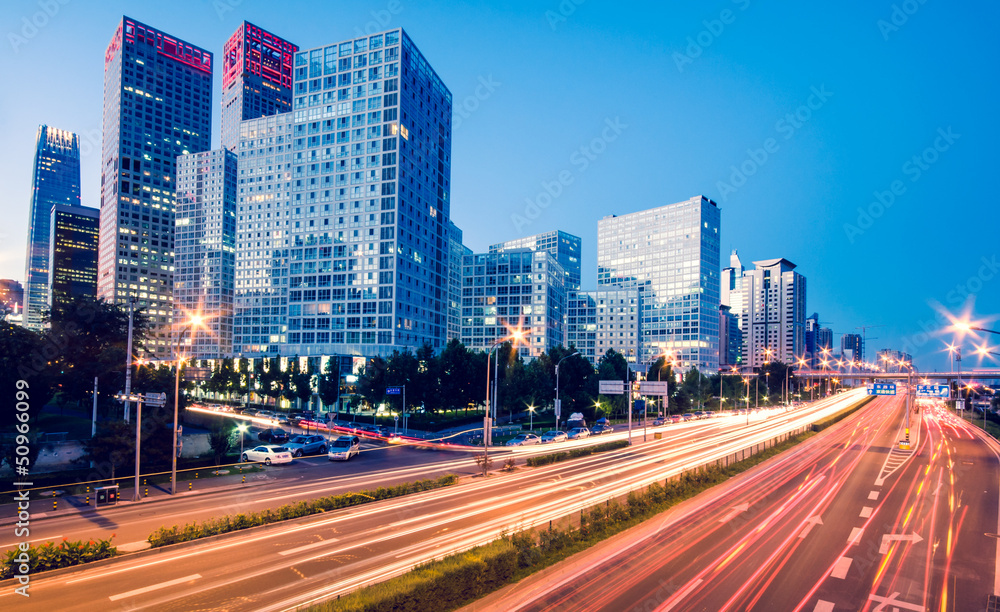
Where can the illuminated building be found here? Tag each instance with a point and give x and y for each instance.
(157, 105)
(256, 79)
(597, 321)
(55, 180)
(516, 289)
(456, 251)
(205, 250)
(774, 313)
(72, 253)
(671, 255)
(11, 300)
(564, 246)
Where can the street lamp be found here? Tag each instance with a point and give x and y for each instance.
(242, 427)
(195, 321)
(558, 406)
(531, 418)
(516, 336)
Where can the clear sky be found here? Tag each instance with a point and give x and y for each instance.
(791, 116)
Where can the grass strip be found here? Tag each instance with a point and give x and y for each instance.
(576, 452)
(459, 579)
(236, 522)
(843, 414)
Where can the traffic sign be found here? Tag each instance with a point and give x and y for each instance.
(882, 389)
(939, 391)
(653, 388)
(611, 387)
(393, 390)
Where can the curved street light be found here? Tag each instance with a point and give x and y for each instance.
(195, 321)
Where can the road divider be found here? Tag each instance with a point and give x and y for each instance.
(576, 452)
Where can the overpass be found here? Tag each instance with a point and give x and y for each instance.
(991, 374)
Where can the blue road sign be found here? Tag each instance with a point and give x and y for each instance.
(393, 390)
(938, 391)
(882, 389)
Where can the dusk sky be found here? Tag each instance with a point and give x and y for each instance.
(857, 140)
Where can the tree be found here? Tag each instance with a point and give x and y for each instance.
(612, 366)
(372, 381)
(114, 445)
(221, 441)
(302, 382)
(23, 358)
(328, 383)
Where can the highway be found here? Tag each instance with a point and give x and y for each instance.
(315, 558)
(846, 521)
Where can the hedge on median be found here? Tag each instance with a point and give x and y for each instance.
(225, 524)
(576, 452)
(843, 414)
(49, 556)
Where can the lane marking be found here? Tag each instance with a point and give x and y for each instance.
(14, 544)
(810, 523)
(681, 595)
(840, 568)
(823, 606)
(873, 495)
(155, 587)
(866, 512)
(855, 536)
(308, 546)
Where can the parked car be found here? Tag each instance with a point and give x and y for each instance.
(344, 448)
(601, 429)
(688, 416)
(660, 421)
(554, 436)
(579, 433)
(676, 418)
(306, 445)
(268, 454)
(524, 439)
(274, 436)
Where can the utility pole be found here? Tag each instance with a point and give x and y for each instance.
(128, 355)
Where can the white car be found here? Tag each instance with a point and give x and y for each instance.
(268, 454)
(554, 436)
(524, 439)
(344, 447)
(579, 433)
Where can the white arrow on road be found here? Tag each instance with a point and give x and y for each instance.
(736, 510)
(811, 522)
(889, 537)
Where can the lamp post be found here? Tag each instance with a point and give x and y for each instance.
(195, 320)
(558, 406)
(531, 418)
(242, 427)
(128, 356)
(487, 429)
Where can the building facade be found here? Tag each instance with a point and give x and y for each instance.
(205, 251)
(730, 338)
(774, 302)
(456, 253)
(55, 180)
(256, 79)
(731, 296)
(11, 300)
(73, 244)
(565, 247)
(352, 256)
(852, 347)
(518, 289)
(157, 106)
(603, 320)
(812, 349)
(670, 255)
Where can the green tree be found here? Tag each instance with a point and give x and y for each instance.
(372, 381)
(113, 445)
(301, 382)
(328, 383)
(612, 366)
(221, 441)
(23, 358)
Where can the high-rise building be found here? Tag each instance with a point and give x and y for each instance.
(564, 246)
(812, 350)
(74, 233)
(731, 295)
(205, 250)
(256, 79)
(774, 306)
(157, 106)
(55, 179)
(356, 249)
(11, 299)
(824, 344)
(852, 347)
(602, 320)
(671, 255)
(730, 338)
(517, 289)
(456, 252)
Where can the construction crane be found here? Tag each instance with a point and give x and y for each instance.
(864, 340)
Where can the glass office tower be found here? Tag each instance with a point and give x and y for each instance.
(671, 255)
(157, 105)
(72, 253)
(55, 179)
(564, 246)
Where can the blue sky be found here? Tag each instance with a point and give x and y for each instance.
(800, 121)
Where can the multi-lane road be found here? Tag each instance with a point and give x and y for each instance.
(311, 559)
(847, 521)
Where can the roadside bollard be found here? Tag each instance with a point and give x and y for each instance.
(147, 491)
(196, 475)
(143, 482)
(55, 504)
(88, 500)
(190, 486)
(244, 479)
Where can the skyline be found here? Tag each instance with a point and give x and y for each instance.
(741, 149)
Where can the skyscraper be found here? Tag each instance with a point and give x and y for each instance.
(456, 252)
(256, 79)
(731, 296)
(347, 226)
(774, 307)
(603, 320)
(852, 347)
(157, 106)
(72, 253)
(55, 180)
(564, 246)
(205, 249)
(671, 255)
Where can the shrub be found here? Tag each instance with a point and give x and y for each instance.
(50, 555)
